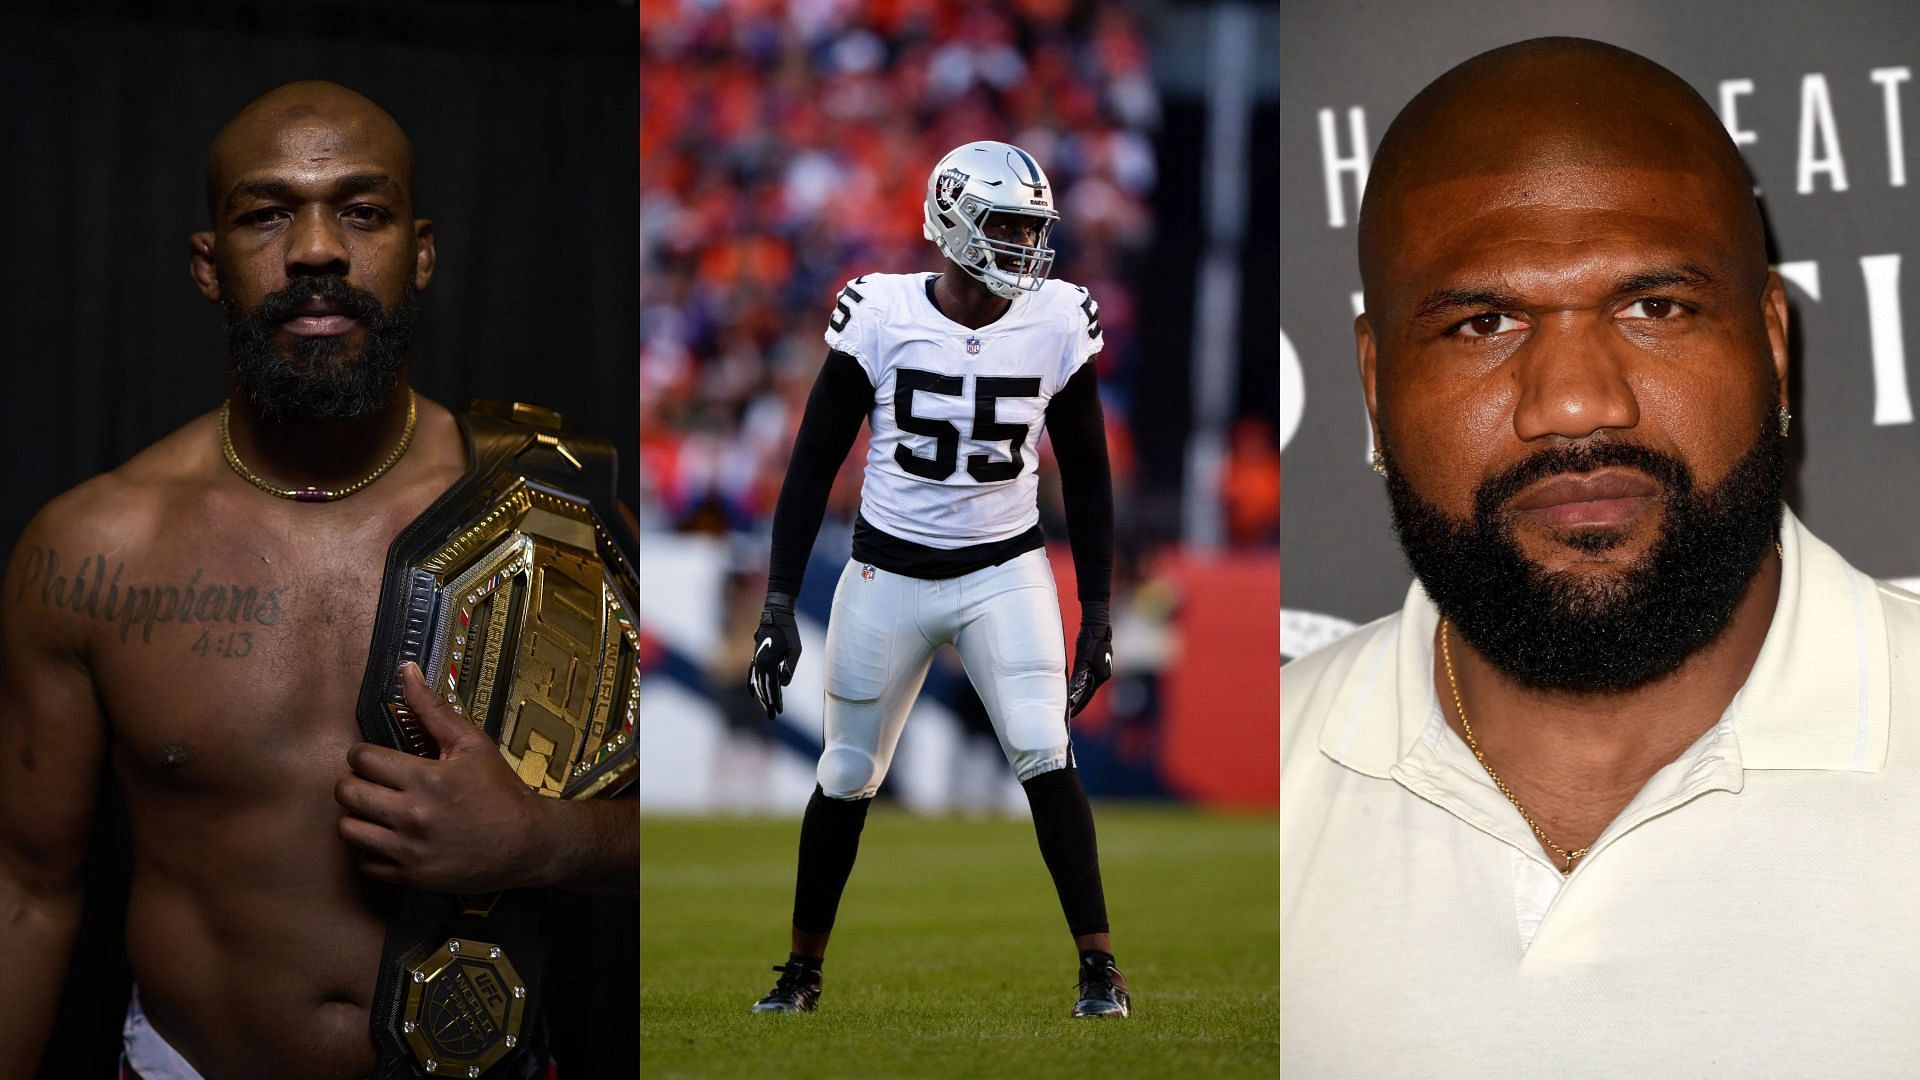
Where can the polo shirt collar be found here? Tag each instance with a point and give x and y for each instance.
(1818, 696)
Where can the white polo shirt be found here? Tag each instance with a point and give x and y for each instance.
(1754, 912)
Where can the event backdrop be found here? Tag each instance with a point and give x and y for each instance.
(1822, 102)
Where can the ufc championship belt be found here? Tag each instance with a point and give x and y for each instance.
(515, 592)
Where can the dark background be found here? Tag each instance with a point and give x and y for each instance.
(523, 120)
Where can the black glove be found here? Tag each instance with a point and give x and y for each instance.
(1092, 656)
(776, 652)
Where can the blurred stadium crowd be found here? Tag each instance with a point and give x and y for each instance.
(784, 149)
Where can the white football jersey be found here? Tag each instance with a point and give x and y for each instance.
(957, 412)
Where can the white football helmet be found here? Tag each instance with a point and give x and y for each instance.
(983, 178)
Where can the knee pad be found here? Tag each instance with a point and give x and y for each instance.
(847, 773)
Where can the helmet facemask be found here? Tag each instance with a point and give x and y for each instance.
(1015, 266)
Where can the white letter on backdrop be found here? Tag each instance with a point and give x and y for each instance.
(1891, 403)
(1890, 80)
(1816, 123)
(1335, 163)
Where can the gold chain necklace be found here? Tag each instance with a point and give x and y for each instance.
(312, 494)
(1446, 652)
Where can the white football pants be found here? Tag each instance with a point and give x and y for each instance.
(1005, 621)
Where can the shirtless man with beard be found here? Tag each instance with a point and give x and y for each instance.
(207, 641)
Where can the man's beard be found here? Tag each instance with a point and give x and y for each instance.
(1571, 631)
(314, 378)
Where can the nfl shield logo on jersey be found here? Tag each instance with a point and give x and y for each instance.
(866, 572)
(973, 346)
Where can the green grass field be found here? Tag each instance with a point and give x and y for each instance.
(950, 957)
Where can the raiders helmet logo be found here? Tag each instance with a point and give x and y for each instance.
(948, 187)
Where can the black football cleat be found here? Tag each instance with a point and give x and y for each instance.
(1103, 990)
(797, 991)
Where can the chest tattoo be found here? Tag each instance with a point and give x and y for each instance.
(132, 605)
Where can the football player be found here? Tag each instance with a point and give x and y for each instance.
(955, 373)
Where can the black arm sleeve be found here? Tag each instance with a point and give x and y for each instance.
(1079, 433)
(840, 399)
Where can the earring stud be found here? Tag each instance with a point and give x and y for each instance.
(1786, 418)
(1379, 463)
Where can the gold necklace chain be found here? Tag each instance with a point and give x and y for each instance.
(1446, 652)
(312, 494)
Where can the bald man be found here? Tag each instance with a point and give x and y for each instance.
(1630, 785)
(197, 621)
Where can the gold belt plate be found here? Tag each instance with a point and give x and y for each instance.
(533, 639)
(465, 1008)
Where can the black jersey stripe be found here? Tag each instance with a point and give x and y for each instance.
(908, 559)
